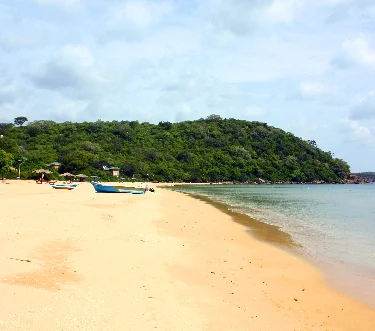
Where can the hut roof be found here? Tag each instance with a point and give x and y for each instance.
(42, 171)
(67, 174)
(110, 168)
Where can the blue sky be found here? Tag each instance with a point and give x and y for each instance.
(307, 67)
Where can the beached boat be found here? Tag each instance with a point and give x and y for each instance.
(102, 188)
(64, 186)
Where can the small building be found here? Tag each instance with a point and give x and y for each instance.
(115, 171)
(55, 165)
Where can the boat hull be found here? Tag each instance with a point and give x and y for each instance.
(100, 188)
(64, 186)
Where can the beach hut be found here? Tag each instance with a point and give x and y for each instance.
(68, 175)
(81, 177)
(114, 171)
(41, 174)
(54, 165)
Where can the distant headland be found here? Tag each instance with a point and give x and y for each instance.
(211, 149)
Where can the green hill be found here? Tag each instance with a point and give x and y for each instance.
(210, 149)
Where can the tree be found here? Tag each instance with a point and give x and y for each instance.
(340, 168)
(213, 118)
(79, 160)
(214, 148)
(165, 125)
(20, 120)
(312, 143)
(6, 160)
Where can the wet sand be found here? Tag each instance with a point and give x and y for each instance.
(79, 260)
(360, 286)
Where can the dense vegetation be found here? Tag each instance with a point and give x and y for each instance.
(211, 149)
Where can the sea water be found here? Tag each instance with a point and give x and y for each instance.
(333, 225)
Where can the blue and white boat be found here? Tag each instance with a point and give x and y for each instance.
(102, 188)
(64, 186)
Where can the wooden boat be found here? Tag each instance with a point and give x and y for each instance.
(64, 186)
(101, 188)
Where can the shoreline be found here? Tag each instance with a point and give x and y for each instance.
(268, 233)
(78, 259)
(339, 277)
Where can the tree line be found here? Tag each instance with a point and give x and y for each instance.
(210, 149)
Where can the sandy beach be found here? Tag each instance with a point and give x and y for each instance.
(78, 260)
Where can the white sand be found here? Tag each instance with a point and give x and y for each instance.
(156, 261)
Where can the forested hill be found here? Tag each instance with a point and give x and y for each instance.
(210, 149)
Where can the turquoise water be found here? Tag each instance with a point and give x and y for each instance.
(334, 224)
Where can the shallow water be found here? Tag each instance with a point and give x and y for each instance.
(333, 225)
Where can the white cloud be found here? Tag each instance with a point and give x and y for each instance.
(71, 109)
(135, 18)
(360, 50)
(349, 2)
(196, 90)
(135, 12)
(12, 42)
(237, 16)
(61, 3)
(182, 112)
(355, 132)
(340, 2)
(78, 55)
(365, 109)
(173, 60)
(342, 62)
(5, 13)
(316, 91)
(283, 11)
(253, 111)
(70, 70)
(8, 93)
(7, 111)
